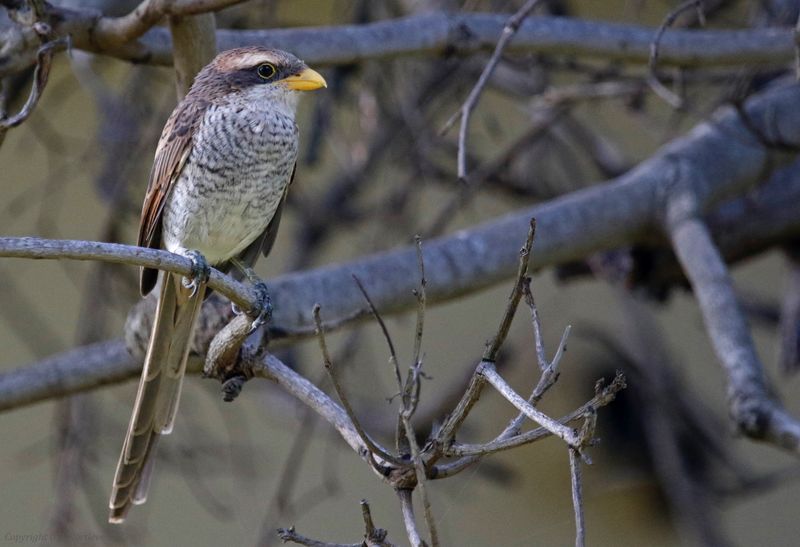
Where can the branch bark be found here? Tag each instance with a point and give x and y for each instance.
(431, 33)
(723, 157)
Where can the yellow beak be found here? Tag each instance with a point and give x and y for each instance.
(307, 80)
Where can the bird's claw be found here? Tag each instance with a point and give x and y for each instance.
(200, 272)
(263, 306)
(262, 310)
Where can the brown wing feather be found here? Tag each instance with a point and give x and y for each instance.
(173, 148)
(272, 227)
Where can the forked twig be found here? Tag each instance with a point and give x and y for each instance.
(603, 396)
(565, 433)
(373, 536)
(453, 422)
(510, 29)
(365, 438)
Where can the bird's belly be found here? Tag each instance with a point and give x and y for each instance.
(220, 214)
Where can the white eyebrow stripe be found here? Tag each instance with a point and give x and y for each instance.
(253, 59)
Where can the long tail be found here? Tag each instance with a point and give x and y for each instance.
(158, 395)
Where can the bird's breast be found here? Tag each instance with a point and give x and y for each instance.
(232, 183)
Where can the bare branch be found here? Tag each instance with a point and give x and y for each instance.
(74, 371)
(419, 466)
(326, 358)
(572, 227)
(789, 354)
(421, 301)
(271, 368)
(603, 396)
(118, 30)
(34, 247)
(373, 537)
(754, 409)
(291, 535)
(490, 354)
(566, 434)
(410, 522)
(797, 49)
(509, 30)
(413, 35)
(652, 76)
(194, 43)
(44, 60)
(577, 497)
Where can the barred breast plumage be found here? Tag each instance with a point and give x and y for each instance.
(234, 180)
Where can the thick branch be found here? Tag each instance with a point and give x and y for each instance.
(752, 405)
(195, 44)
(118, 30)
(77, 370)
(722, 156)
(430, 33)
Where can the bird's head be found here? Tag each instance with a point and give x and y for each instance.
(255, 74)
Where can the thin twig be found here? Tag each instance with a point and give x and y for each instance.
(384, 329)
(510, 29)
(329, 368)
(447, 432)
(603, 396)
(290, 534)
(541, 358)
(421, 301)
(566, 434)
(550, 372)
(490, 354)
(419, 465)
(410, 522)
(453, 422)
(577, 497)
(44, 60)
(652, 77)
(797, 48)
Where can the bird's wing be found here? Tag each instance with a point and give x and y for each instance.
(268, 238)
(173, 149)
(262, 245)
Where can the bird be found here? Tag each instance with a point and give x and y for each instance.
(224, 162)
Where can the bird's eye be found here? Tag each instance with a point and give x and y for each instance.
(266, 71)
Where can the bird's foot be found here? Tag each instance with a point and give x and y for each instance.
(200, 272)
(262, 310)
(232, 387)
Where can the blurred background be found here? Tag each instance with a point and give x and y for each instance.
(374, 171)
